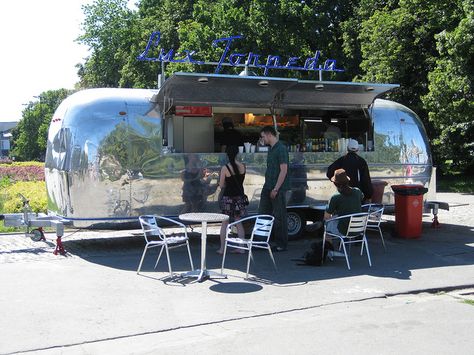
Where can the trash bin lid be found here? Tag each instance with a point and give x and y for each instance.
(409, 189)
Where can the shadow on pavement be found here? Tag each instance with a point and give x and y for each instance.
(235, 287)
(447, 246)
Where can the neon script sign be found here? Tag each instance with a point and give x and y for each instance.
(228, 58)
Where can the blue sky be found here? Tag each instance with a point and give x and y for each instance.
(38, 51)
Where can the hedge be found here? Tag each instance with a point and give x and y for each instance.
(35, 191)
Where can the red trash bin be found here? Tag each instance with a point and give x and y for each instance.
(408, 209)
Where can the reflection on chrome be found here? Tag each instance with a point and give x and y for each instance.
(104, 166)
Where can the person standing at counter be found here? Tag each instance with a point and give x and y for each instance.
(230, 136)
(332, 131)
(273, 196)
(356, 168)
(232, 201)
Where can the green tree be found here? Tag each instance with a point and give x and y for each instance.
(352, 27)
(285, 27)
(450, 100)
(398, 46)
(152, 15)
(31, 134)
(108, 31)
(389, 41)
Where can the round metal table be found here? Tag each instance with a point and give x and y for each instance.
(204, 218)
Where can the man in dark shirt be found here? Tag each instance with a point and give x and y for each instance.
(346, 201)
(273, 196)
(356, 168)
(230, 136)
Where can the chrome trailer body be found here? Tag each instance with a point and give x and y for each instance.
(106, 163)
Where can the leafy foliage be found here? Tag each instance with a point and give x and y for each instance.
(424, 45)
(30, 136)
(455, 183)
(21, 163)
(287, 27)
(5, 181)
(35, 191)
(18, 172)
(109, 28)
(450, 99)
(26, 178)
(22, 173)
(398, 45)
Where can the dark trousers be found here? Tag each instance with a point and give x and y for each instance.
(277, 209)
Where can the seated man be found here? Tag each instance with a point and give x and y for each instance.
(347, 200)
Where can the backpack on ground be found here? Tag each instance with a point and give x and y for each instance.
(314, 256)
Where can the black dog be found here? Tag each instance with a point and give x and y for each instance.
(314, 256)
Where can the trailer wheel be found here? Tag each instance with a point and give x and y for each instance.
(296, 224)
(36, 235)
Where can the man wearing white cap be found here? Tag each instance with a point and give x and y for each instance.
(355, 167)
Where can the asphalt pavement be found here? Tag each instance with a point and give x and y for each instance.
(418, 297)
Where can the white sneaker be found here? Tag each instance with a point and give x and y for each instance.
(337, 254)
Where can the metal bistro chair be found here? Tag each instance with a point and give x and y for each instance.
(357, 224)
(156, 237)
(375, 211)
(260, 238)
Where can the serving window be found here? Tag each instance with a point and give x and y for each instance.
(324, 131)
(344, 104)
(306, 131)
(328, 131)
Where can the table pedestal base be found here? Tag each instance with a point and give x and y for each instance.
(202, 275)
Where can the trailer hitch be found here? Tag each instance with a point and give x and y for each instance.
(38, 221)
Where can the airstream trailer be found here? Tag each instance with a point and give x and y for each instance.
(115, 154)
